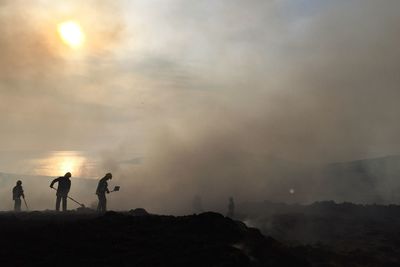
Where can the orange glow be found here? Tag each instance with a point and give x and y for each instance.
(71, 33)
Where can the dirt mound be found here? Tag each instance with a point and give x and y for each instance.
(139, 212)
(120, 239)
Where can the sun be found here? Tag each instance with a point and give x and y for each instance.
(71, 33)
(67, 165)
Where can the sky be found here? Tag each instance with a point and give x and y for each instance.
(202, 88)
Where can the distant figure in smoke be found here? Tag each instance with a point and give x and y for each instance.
(64, 185)
(231, 208)
(18, 192)
(102, 189)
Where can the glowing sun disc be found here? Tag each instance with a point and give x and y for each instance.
(71, 33)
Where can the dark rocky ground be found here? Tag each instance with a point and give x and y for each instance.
(331, 234)
(136, 239)
(321, 234)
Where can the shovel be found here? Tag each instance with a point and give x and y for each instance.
(80, 204)
(116, 189)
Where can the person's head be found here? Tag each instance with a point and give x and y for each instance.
(109, 176)
(19, 182)
(68, 175)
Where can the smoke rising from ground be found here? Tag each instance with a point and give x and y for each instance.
(221, 99)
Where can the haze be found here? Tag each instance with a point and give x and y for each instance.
(219, 98)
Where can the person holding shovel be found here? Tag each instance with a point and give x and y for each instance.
(102, 189)
(64, 185)
(18, 192)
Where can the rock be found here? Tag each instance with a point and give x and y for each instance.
(139, 212)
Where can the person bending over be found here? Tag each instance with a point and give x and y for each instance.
(102, 189)
(64, 185)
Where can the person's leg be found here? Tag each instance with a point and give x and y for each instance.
(105, 204)
(99, 204)
(102, 198)
(64, 203)
(18, 204)
(58, 200)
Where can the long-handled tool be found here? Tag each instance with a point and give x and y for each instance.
(80, 204)
(26, 205)
(116, 189)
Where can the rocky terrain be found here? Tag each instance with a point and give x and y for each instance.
(135, 238)
(321, 234)
(331, 234)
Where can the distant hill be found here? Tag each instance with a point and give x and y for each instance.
(371, 181)
(363, 181)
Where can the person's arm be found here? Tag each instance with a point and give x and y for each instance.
(22, 193)
(53, 182)
(108, 191)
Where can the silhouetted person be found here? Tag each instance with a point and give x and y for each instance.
(231, 208)
(102, 189)
(64, 185)
(18, 192)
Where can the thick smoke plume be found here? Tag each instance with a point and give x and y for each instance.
(251, 102)
(331, 96)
